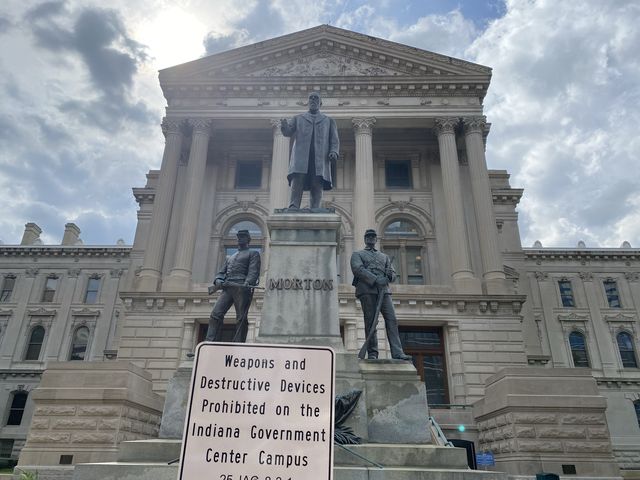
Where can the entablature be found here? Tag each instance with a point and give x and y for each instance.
(64, 251)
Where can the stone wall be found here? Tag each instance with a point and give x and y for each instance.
(537, 420)
(85, 409)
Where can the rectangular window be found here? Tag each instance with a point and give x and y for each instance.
(17, 408)
(398, 173)
(50, 289)
(6, 448)
(249, 174)
(7, 288)
(426, 346)
(414, 266)
(611, 290)
(566, 293)
(91, 295)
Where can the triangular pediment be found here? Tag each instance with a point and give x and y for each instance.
(323, 51)
(325, 64)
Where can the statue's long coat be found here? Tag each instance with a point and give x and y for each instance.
(325, 140)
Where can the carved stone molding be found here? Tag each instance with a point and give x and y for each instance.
(6, 312)
(573, 317)
(586, 276)
(201, 125)
(85, 312)
(541, 276)
(619, 318)
(116, 272)
(172, 126)
(31, 272)
(446, 125)
(363, 126)
(632, 276)
(73, 272)
(41, 312)
(474, 124)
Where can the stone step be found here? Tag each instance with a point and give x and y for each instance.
(125, 471)
(413, 473)
(155, 450)
(395, 455)
(161, 471)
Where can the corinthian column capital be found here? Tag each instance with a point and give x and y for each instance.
(171, 126)
(474, 124)
(363, 126)
(446, 124)
(275, 124)
(201, 125)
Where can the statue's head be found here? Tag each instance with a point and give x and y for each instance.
(243, 238)
(314, 102)
(370, 237)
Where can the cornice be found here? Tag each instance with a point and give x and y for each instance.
(574, 254)
(64, 251)
(286, 87)
(506, 196)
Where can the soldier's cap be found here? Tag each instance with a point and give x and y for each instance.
(370, 233)
(243, 232)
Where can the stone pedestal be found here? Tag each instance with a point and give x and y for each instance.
(301, 298)
(396, 403)
(85, 409)
(175, 404)
(539, 419)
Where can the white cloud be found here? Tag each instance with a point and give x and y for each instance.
(564, 104)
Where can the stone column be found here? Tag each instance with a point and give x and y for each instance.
(278, 185)
(363, 201)
(162, 205)
(180, 277)
(492, 271)
(461, 272)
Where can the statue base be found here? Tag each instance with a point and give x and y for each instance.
(301, 297)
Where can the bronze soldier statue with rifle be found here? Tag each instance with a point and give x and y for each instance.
(372, 273)
(237, 279)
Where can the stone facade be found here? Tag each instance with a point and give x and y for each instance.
(470, 299)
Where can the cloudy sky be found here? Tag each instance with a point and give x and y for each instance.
(81, 106)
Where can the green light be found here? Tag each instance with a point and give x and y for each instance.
(461, 428)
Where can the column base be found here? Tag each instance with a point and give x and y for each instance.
(147, 281)
(467, 284)
(496, 285)
(176, 282)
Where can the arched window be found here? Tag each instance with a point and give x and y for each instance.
(79, 344)
(579, 350)
(627, 352)
(35, 344)
(230, 240)
(16, 410)
(401, 241)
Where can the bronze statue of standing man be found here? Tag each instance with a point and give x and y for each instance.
(315, 147)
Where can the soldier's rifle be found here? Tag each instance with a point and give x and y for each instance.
(211, 289)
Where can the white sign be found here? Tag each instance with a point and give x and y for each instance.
(259, 412)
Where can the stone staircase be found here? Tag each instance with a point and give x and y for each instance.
(148, 460)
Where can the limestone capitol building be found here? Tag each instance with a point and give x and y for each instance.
(533, 350)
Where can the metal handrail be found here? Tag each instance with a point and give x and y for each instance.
(360, 456)
(438, 434)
